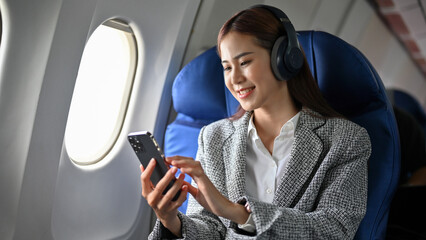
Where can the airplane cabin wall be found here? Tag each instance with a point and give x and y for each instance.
(42, 45)
(40, 53)
(28, 31)
(107, 195)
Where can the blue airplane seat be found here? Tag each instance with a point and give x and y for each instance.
(352, 86)
(407, 102)
(349, 83)
(199, 98)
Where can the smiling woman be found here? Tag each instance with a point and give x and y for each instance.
(101, 93)
(288, 167)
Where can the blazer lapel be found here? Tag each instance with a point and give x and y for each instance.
(307, 149)
(234, 155)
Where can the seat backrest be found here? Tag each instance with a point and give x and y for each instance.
(352, 86)
(199, 98)
(408, 103)
(348, 82)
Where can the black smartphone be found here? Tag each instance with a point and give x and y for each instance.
(146, 147)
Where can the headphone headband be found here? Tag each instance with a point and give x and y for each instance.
(286, 55)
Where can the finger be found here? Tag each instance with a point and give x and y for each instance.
(166, 163)
(184, 162)
(182, 197)
(141, 167)
(175, 188)
(171, 193)
(150, 168)
(177, 158)
(164, 182)
(191, 189)
(146, 178)
(168, 160)
(192, 168)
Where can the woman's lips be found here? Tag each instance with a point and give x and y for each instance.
(245, 92)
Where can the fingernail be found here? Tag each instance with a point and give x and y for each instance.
(174, 170)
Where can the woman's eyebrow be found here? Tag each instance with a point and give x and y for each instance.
(239, 56)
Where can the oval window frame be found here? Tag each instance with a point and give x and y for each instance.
(105, 149)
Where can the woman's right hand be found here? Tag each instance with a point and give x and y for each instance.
(163, 206)
(207, 194)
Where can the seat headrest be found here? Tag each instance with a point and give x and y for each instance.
(350, 85)
(346, 78)
(199, 90)
(348, 82)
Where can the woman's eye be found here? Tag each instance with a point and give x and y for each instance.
(226, 68)
(245, 63)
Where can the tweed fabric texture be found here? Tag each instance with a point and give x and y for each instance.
(322, 195)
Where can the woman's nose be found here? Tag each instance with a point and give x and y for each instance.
(236, 76)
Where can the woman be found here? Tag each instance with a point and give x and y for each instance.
(285, 166)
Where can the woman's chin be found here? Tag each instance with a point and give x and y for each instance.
(247, 108)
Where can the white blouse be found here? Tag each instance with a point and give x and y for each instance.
(263, 170)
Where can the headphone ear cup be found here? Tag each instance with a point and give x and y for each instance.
(285, 66)
(294, 60)
(277, 58)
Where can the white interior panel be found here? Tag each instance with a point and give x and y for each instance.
(391, 65)
(301, 13)
(376, 42)
(27, 33)
(210, 18)
(330, 15)
(106, 196)
(356, 21)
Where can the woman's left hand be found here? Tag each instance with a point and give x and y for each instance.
(207, 194)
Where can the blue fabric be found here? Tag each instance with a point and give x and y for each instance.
(198, 90)
(181, 139)
(348, 82)
(408, 103)
(199, 97)
(352, 86)
(231, 103)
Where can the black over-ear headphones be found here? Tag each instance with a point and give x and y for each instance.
(286, 55)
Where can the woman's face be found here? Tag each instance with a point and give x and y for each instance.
(248, 73)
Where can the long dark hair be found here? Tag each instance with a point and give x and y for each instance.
(265, 28)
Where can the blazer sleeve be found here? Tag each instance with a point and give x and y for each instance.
(341, 200)
(198, 223)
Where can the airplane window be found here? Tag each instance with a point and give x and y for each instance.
(101, 93)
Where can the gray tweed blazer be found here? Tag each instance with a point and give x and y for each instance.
(322, 195)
